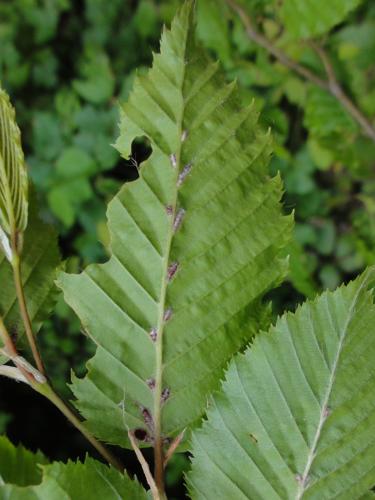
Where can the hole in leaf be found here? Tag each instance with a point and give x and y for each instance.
(128, 169)
(140, 434)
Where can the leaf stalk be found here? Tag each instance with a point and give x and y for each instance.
(16, 266)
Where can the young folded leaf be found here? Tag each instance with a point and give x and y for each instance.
(195, 244)
(13, 178)
(21, 478)
(296, 414)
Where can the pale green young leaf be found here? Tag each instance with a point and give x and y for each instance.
(40, 262)
(310, 18)
(18, 465)
(77, 481)
(296, 414)
(13, 174)
(196, 242)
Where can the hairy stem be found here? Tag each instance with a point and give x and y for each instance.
(16, 266)
(44, 388)
(331, 85)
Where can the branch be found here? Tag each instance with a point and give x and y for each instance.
(331, 85)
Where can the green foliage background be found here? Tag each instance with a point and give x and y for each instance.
(66, 64)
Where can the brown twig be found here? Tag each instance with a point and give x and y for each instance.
(331, 85)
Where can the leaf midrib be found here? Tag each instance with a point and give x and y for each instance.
(160, 325)
(304, 483)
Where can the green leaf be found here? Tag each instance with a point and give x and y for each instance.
(295, 417)
(301, 270)
(40, 261)
(13, 175)
(98, 83)
(72, 186)
(18, 465)
(74, 162)
(309, 18)
(325, 116)
(212, 27)
(66, 199)
(195, 241)
(77, 481)
(146, 19)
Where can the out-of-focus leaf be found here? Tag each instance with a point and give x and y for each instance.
(301, 268)
(47, 135)
(324, 115)
(19, 466)
(75, 162)
(329, 276)
(309, 18)
(97, 82)
(326, 236)
(212, 27)
(66, 198)
(146, 18)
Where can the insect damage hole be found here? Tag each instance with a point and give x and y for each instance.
(141, 434)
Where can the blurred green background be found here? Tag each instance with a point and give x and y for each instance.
(67, 63)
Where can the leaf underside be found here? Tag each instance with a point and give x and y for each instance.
(296, 414)
(23, 478)
(13, 175)
(195, 242)
(40, 260)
